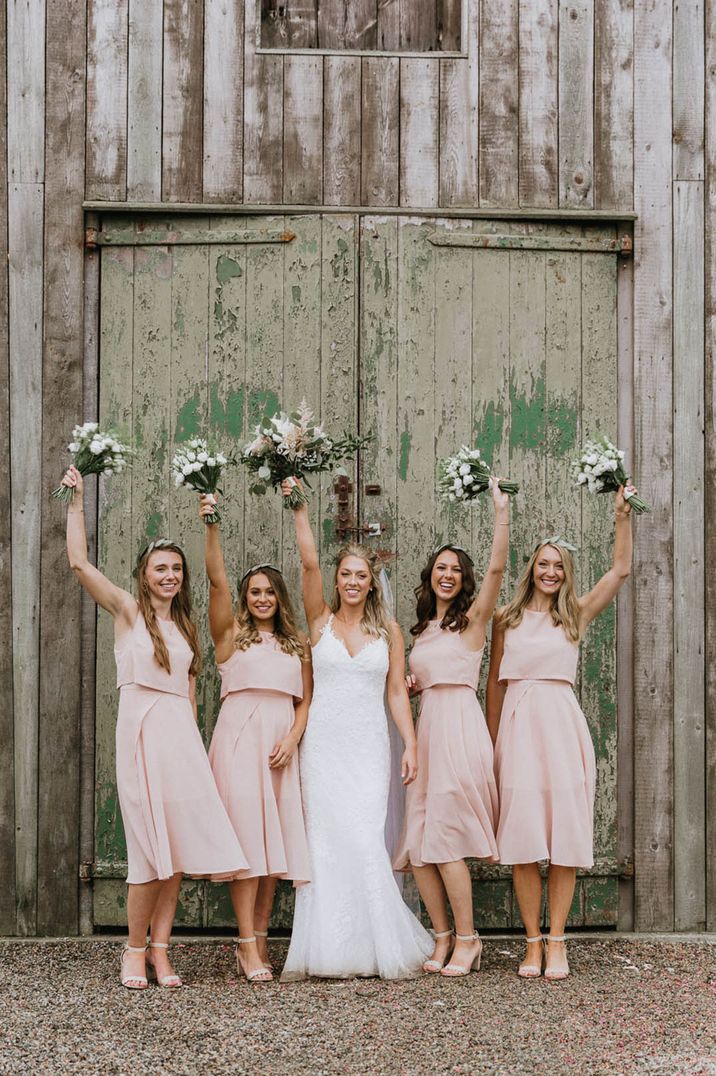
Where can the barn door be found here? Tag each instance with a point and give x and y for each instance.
(415, 331)
(504, 337)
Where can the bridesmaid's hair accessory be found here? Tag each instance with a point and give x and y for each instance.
(158, 543)
(257, 568)
(556, 540)
(455, 548)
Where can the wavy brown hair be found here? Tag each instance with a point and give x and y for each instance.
(564, 611)
(180, 610)
(376, 617)
(284, 626)
(455, 618)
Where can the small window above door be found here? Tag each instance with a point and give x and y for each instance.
(363, 26)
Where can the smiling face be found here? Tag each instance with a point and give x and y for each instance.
(262, 601)
(548, 571)
(446, 577)
(354, 581)
(164, 574)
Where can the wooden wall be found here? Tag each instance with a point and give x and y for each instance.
(558, 106)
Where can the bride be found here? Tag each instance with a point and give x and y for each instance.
(351, 919)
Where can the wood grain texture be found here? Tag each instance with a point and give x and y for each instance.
(613, 103)
(653, 570)
(348, 26)
(182, 100)
(388, 24)
(7, 789)
(710, 454)
(689, 567)
(223, 100)
(688, 90)
(449, 20)
(25, 257)
(144, 100)
(538, 106)
(289, 25)
(418, 26)
(303, 129)
(459, 122)
(263, 119)
(576, 102)
(63, 339)
(107, 33)
(419, 105)
(341, 130)
(380, 123)
(25, 59)
(499, 93)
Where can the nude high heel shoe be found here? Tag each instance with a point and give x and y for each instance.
(454, 971)
(169, 981)
(532, 971)
(436, 965)
(132, 982)
(555, 976)
(259, 975)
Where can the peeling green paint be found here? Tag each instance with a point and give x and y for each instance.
(328, 532)
(527, 427)
(489, 430)
(404, 454)
(263, 403)
(188, 420)
(229, 419)
(562, 428)
(227, 268)
(179, 318)
(154, 526)
(296, 293)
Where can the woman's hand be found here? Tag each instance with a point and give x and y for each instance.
(288, 484)
(412, 685)
(74, 480)
(622, 508)
(499, 497)
(409, 764)
(282, 753)
(207, 503)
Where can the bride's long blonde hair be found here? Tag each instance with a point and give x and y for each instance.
(564, 611)
(376, 618)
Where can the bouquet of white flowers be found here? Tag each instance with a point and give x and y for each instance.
(295, 445)
(199, 467)
(600, 468)
(464, 476)
(95, 452)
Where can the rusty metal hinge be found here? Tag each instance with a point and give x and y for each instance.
(90, 238)
(86, 872)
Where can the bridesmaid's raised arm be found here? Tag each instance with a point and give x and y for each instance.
(221, 610)
(314, 601)
(119, 603)
(605, 589)
(483, 605)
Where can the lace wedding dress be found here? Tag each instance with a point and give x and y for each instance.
(350, 919)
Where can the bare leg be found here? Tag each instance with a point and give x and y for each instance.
(162, 922)
(262, 915)
(458, 885)
(560, 890)
(141, 902)
(434, 897)
(527, 884)
(243, 897)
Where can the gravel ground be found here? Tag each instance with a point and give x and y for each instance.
(631, 1006)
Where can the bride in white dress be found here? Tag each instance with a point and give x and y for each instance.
(351, 919)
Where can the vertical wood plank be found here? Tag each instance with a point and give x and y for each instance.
(459, 121)
(63, 333)
(303, 129)
(341, 130)
(710, 457)
(263, 119)
(107, 33)
(538, 111)
(291, 25)
(25, 219)
(223, 100)
(144, 101)
(499, 71)
(7, 783)
(688, 90)
(419, 98)
(613, 103)
(690, 837)
(576, 102)
(182, 107)
(449, 20)
(388, 25)
(380, 123)
(25, 58)
(653, 573)
(348, 26)
(418, 27)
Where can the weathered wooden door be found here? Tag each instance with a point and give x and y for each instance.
(414, 330)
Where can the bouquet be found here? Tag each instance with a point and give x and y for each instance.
(601, 468)
(464, 476)
(94, 452)
(197, 466)
(295, 445)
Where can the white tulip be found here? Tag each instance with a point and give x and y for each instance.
(582, 478)
(187, 469)
(95, 448)
(203, 456)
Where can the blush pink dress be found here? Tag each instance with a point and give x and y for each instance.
(451, 807)
(173, 818)
(258, 687)
(544, 758)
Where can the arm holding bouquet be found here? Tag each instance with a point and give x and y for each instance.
(314, 602)
(483, 605)
(222, 624)
(602, 593)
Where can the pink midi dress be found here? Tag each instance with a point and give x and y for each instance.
(258, 687)
(451, 807)
(174, 821)
(544, 757)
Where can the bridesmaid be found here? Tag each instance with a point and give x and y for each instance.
(451, 808)
(266, 684)
(544, 758)
(174, 821)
